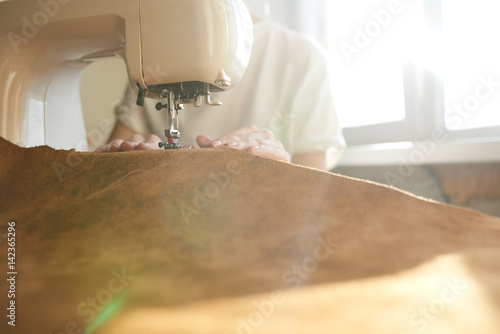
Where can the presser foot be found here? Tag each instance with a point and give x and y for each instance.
(171, 145)
(173, 135)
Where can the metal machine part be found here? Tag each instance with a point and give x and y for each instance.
(178, 94)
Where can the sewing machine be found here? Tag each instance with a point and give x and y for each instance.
(178, 50)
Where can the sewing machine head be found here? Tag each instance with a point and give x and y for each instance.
(179, 50)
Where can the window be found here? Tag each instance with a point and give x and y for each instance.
(375, 47)
(406, 69)
(471, 73)
(368, 49)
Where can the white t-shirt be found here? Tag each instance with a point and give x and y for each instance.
(286, 88)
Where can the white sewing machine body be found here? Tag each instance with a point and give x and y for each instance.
(45, 45)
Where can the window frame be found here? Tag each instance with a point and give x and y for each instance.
(394, 142)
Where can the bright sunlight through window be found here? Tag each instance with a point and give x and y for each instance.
(370, 41)
(471, 71)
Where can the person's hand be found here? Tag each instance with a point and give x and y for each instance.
(251, 139)
(134, 142)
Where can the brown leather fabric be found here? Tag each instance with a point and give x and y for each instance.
(220, 241)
